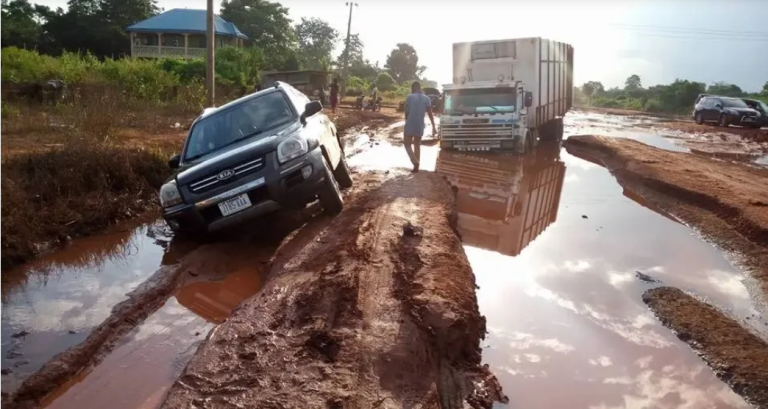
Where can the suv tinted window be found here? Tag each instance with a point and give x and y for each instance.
(248, 119)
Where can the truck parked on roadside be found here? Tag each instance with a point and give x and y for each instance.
(507, 94)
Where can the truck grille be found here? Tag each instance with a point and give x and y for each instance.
(211, 181)
(495, 131)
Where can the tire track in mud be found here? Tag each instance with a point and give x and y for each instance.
(299, 227)
(351, 320)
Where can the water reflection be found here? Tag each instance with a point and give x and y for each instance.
(57, 299)
(504, 201)
(564, 311)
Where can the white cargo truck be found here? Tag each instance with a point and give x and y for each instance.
(507, 94)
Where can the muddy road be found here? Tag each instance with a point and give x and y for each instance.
(553, 260)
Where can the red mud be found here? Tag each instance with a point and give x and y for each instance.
(378, 310)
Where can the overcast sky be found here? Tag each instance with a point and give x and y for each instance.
(702, 40)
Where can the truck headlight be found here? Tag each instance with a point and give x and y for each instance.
(169, 195)
(291, 148)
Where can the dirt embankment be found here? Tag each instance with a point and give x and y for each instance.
(727, 201)
(59, 183)
(738, 357)
(377, 310)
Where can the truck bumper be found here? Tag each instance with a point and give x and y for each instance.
(479, 144)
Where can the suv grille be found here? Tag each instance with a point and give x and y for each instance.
(211, 181)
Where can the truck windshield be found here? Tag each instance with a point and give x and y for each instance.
(248, 119)
(480, 100)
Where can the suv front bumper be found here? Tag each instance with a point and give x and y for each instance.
(292, 184)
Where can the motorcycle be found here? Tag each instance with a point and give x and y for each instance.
(368, 105)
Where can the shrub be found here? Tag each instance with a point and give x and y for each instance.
(385, 82)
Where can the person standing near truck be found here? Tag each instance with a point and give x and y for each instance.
(416, 106)
(334, 94)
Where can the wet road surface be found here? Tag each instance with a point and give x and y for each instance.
(555, 243)
(60, 297)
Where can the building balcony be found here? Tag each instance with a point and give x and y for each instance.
(154, 51)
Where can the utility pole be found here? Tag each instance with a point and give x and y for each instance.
(349, 32)
(210, 81)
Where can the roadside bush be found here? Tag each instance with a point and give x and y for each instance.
(357, 86)
(385, 82)
(73, 190)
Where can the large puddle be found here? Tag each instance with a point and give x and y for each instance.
(53, 303)
(556, 245)
(140, 371)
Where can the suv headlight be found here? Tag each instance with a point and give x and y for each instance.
(291, 148)
(169, 194)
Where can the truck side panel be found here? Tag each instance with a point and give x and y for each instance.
(554, 82)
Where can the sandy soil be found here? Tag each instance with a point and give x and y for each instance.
(727, 201)
(748, 134)
(738, 357)
(378, 310)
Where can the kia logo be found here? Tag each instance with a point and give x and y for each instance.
(225, 174)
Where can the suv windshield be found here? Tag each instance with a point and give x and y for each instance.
(734, 103)
(242, 121)
(482, 101)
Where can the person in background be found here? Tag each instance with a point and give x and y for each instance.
(416, 106)
(374, 94)
(334, 94)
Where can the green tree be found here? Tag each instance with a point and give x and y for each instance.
(268, 28)
(317, 39)
(403, 63)
(115, 16)
(765, 88)
(725, 89)
(385, 82)
(20, 24)
(633, 83)
(591, 89)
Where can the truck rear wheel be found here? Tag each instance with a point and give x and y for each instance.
(552, 131)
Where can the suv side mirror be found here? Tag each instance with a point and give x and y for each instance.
(312, 108)
(718, 105)
(173, 163)
(528, 99)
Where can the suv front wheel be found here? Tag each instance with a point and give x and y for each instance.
(723, 121)
(699, 119)
(330, 194)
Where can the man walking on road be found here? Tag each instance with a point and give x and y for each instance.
(416, 106)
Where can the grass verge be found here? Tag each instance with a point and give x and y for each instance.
(54, 194)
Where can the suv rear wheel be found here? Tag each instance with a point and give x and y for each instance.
(723, 121)
(330, 194)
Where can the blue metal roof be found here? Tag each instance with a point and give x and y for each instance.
(185, 21)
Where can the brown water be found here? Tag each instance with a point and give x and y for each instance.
(138, 373)
(555, 244)
(559, 290)
(60, 297)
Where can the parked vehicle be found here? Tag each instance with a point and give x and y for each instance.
(725, 111)
(269, 150)
(759, 106)
(361, 103)
(507, 94)
(436, 97)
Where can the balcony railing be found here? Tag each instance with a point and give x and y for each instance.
(153, 51)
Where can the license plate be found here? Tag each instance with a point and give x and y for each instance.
(234, 205)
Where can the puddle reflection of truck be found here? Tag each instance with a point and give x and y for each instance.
(504, 201)
(507, 94)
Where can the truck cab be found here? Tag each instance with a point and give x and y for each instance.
(484, 115)
(507, 94)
